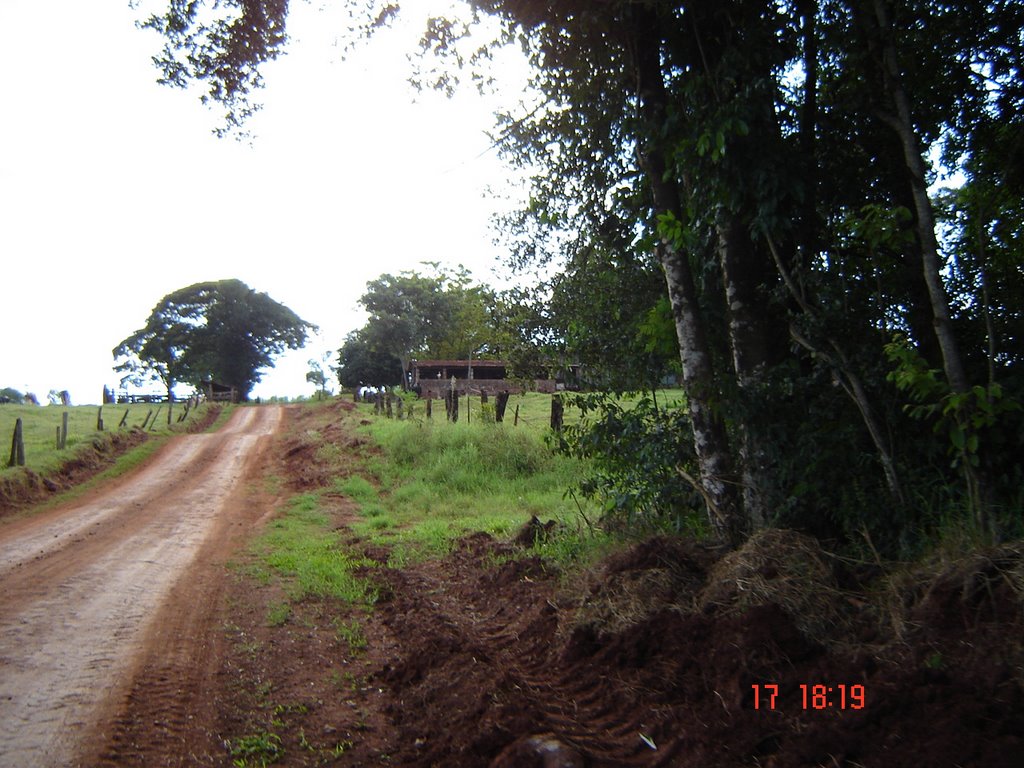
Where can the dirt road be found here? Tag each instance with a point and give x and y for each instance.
(81, 585)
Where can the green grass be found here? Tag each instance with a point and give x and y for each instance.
(301, 547)
(435, 481)
(40, 424)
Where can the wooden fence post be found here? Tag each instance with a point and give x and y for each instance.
(387, 401)
(400, 406)
(124, 419)
(99, 420)
(145, 421)
(63, 431)
(152, 424)
(515, 422)
(17, 446)
(430, 402)
(500, 403)
(556, 413)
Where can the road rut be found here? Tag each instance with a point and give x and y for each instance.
(81, 584)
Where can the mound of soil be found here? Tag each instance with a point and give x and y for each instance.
(480, 677)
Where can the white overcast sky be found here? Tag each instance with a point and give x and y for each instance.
(114, 192)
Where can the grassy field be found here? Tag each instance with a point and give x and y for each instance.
(40, 425)
(425, 483)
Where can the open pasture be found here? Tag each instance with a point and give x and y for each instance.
(40, 426)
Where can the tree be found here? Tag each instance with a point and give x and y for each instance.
(317, 375)
(222, 45)
(438, 315)
(362, 365)
(223, 331)
(11, 395)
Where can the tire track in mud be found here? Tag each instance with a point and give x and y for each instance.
(81, 585)
(513, 653)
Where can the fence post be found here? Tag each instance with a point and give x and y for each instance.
(99, 420)
(500, 403)
(556, 413)
(124, 419)
(399, 406)
(63, 431)
(515, 422)
(152, 424)
(430, 401)
(17, 446)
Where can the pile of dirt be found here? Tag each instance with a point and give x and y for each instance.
(660, 662)
(303, 451)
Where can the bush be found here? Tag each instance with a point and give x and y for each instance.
(634, 450)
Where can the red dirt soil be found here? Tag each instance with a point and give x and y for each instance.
(489, 658)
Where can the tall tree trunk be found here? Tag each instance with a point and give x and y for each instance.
(902, 123)
(808, 134)
(717, 478)
(743, 273)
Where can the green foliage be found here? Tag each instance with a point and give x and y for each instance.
(610, 310)
(224, 331)
(9, 395)
(301, 547)
(221, 45)
(633, 451)
(964, 417)
(981, 428)
(360, 364)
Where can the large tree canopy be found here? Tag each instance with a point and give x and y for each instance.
(222, 331)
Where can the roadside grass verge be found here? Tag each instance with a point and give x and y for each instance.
(434, 482)
(301, 549)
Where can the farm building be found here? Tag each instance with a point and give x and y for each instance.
(224, 393)
(432, 378)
